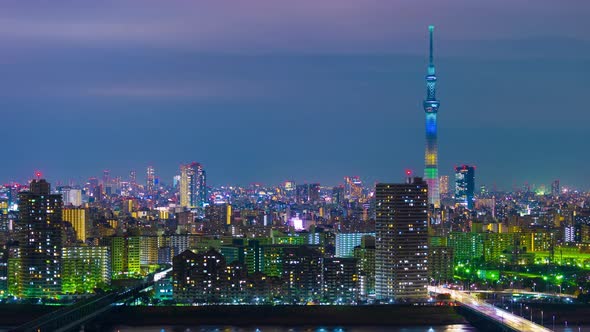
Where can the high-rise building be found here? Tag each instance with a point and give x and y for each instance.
(444, 185)
(77, 217)
(150, 179)
(40, 242)
(431, 105)
(465, 185)
(401, 245)
(555, 189)
(193, 186)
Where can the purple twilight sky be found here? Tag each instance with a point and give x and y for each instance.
(269, 90)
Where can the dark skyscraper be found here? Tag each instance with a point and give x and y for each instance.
(401, 256)
(465, 185)
(555, 189)
(40, 243)
(431, 105)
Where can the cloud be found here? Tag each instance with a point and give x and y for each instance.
(271, 25)
(226, 90)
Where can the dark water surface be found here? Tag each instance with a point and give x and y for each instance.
(445, 328)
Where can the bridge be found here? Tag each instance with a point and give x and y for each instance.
(499, 316)
(524, 292)
(70, 318)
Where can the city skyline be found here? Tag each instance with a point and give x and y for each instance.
(121, 93)
(282, 165)
(169, 180)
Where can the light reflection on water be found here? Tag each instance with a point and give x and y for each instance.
(447, 328)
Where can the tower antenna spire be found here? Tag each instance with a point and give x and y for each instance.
(431, 59)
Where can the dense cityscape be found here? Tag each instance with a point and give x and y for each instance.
(244, 244)
(134, 247)
(188, 242)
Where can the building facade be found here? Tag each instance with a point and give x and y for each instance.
(40, 242)
(401, 244)
(465, 185)
(193, 186)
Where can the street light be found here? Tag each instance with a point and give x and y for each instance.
(542, 318)
(553, 323)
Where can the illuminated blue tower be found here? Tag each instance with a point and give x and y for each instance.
(431, 108)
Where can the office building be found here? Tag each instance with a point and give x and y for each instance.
(465, 185)
(193, 186)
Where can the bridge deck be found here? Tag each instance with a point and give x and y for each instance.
(501, 316)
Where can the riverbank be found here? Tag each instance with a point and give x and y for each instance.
(17, 314)
(386, 315)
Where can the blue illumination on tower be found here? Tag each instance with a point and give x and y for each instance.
(431, 105)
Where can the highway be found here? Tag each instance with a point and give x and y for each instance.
(504, 317)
